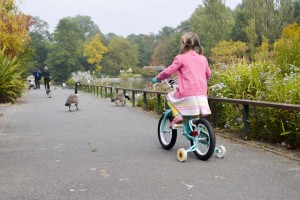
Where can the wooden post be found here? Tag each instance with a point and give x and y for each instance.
(133, 98)
(158, 103)
(145, 100)
(246, 121)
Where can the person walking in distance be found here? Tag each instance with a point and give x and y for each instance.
(46, 75)
(37, 77)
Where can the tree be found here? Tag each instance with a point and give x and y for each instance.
(174, 46)
(213, 22)
(251, 37)
(14, 26)
(94, 51)
(121, 55)
(39, 41)
(184, 26)
(296, 6)
(284, 15)
(160, 54)
(145, 45)
(65, 54)
(269, 16)
(87, 26)
(237, 33)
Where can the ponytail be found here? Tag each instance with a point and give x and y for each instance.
(200, 50)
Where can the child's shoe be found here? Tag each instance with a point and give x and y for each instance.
(177, 119)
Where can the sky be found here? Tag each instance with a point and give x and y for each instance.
(122, 17)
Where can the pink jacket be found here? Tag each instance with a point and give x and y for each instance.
(192, 73)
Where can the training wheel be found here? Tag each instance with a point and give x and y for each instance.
(220, 151)
(181, 154)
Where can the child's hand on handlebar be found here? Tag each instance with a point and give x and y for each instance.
(154, 80)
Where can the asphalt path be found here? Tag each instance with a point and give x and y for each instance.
(107, 152)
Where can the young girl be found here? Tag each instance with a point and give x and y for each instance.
(190, 98)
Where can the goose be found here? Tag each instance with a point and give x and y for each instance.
(48, 92)
(64, 86)
(73, 98)
(120, 97)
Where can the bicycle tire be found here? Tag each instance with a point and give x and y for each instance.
(204, 129)
(166, 144)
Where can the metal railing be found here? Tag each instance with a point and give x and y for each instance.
(108, 91)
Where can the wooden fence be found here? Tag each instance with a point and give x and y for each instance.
(108, 91)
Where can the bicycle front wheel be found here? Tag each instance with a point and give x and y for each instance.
(166, 135)
(205, 140)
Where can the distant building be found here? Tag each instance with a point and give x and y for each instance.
(156, 68)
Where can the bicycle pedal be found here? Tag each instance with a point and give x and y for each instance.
(175, 126)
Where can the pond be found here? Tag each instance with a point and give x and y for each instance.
(131, 83)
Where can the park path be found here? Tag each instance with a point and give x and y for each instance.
(108, 152)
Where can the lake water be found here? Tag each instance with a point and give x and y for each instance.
(131, 83)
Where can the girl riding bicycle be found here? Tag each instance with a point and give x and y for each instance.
(190, 97)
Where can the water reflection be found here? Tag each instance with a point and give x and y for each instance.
(131, 83)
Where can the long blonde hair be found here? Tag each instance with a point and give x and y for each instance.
(190, 41)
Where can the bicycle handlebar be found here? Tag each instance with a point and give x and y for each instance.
(169, 83)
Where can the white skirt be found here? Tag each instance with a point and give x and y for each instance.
(190, 106)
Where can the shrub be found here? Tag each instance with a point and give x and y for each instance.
(228, 52)
(261, 81)
(11, 84)
(147, 72)
(287, 48)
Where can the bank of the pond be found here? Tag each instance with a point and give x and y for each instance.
(132, 83)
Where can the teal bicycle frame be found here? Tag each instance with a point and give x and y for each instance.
(187, 130)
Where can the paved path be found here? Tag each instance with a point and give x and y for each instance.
(108, 152)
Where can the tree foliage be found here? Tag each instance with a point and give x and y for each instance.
(213, 23)
(87, 26)
(64, 55)
(121, 55)
(38, 51)
(162, 53)
(145, 45)
(66, 52)
(94, 51)
(269, 17)
(14, 26)
(257, 24)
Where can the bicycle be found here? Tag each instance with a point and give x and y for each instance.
(196, 129)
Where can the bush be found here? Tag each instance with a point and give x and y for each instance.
(148, 73)
(287, 48)
(11, 84)
(260, 81)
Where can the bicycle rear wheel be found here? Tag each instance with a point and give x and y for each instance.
(166, 135)
(205, 140)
